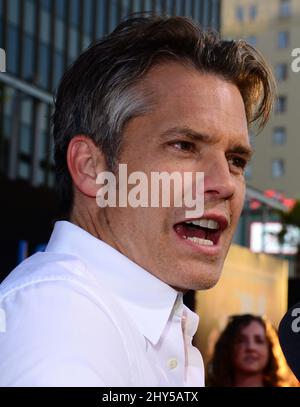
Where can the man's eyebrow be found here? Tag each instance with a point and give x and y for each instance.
(186, 131)
(245, 150)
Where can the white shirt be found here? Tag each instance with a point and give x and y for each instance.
(83, 314)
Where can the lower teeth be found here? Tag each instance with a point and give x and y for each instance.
(203, 242)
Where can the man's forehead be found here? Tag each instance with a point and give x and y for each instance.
(172, 78)
(190, 88)
(179, 76)
(182, 97)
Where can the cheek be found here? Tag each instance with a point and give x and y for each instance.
(145, 224)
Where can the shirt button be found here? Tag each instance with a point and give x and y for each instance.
(172, 363)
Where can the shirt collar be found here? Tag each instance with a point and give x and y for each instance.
(148, 300)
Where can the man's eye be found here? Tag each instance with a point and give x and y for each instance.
(238, 162)
(184, 146)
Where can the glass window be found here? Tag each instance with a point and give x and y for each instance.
(24, 170)
(135, 5)
(281, 71)
(25, 145)
(114, 15)
(10, 95)
(195, 10)
(239, 13)
(188, 8)
(253, 12)
(26, 111)
(278, 168)
(86, 41)
(1, 33)
(46, 4)
(148, 5)
(125, 8)
(40, 178)
(204, 16)
(2, 61)
(42, 144)
(12, 51)
(281, 104)
(283, 39)
(61, 8)
(2, 97)
(279, 135)
(75, 11)
(29, 21)
(28, 63)
(51, 179)
(215, 15)
(45, 27)
(73, 47)
(157, 7)
(1, 8)
(58, 67)
(168, 7)
(100, 27)
(178, 7)
(285, 8)
(7, 126)
(59, 35)
(44, 64)
(50, 138)
(88, 16)
(13, 11)
(46, 122)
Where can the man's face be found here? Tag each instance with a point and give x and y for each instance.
(209, 135)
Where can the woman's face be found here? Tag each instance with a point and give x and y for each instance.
(251, 350)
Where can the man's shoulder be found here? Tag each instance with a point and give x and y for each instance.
(49, 275)
(42, 268)
(47, 279)
(65, 317)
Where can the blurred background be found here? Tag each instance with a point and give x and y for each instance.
(40, 38)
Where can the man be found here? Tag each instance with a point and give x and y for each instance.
(103, 305)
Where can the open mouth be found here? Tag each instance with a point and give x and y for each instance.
(204, 232)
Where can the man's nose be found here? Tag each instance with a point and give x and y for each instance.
(218, 180)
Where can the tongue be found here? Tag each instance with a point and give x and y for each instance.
(187, 231)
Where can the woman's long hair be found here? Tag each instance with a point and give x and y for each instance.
(221, 368)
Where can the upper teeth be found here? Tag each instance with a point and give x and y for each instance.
(205, 223)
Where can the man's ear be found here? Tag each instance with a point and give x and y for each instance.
(85, 160)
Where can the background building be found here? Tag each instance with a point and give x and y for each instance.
(41, 38)
(274, 27)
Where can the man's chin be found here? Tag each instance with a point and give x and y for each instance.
(206, 278)
(202, 281)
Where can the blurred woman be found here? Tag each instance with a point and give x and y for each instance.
(248, 354)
